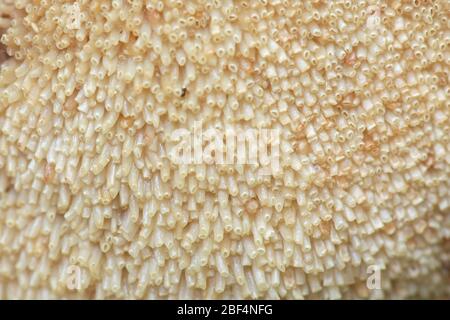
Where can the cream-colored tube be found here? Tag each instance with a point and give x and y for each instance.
(353, 200)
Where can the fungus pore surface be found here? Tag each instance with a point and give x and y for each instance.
(92, 205)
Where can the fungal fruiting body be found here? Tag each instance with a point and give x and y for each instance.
(92, 205)
(6, 9)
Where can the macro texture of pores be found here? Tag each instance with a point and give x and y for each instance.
(92, 90)
(6, 14)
